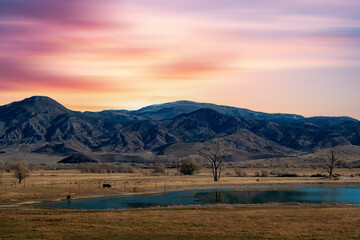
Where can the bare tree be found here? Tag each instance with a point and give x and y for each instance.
(330, 158)
(215, 154)
(22, 170)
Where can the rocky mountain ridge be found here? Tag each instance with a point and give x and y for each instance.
(161, 128)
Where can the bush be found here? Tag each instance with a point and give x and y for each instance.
(336, 175)
(22, 170)
(240, 173)
(105, 168)
(257, 174)
(129, 169)
(264, 173)
(159, 170)
(277, 172)
(318, 175)
(286, 174)
(188, 166)
(2, 168)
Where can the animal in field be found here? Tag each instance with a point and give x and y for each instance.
(106, 185)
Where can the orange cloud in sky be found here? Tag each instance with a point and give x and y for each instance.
(127, 54)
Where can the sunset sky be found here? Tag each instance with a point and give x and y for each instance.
(298, 56)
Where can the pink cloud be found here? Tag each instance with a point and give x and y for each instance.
(191, 69)
(16, 76)
(56, 12)
(141, 47)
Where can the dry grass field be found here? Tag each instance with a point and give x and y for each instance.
(216, 222)
(57, 184)
(185, 223)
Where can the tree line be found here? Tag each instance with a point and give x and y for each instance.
(215, 155)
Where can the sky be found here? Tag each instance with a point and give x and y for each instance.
(298, 56)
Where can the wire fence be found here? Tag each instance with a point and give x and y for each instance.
(88, 185)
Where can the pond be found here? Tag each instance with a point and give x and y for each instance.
(239, 195)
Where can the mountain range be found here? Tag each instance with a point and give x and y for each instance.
(171, 129)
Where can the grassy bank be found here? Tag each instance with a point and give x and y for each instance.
(185, 223)
(46, 184)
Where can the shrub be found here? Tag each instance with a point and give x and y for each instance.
(257, 174)
(240, 173)
(188, 166)
(22, 170)
(105, 168)
(336, 175)
(159, 170)
(277, 172)
(318, 175)
(2, 168)
(264, 173)
(286, 174)
(129, 169)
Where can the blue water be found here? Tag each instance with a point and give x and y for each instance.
(217, 196)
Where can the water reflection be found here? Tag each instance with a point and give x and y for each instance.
(213, 197)
(244, 197)
(218, 196)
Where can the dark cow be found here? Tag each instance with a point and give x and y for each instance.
(68, 197)
(106, 185)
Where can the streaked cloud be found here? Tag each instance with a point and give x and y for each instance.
(140, 52)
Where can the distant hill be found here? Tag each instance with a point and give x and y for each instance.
(55, 130)
(61, 149)
(241, 143)
(173, 109)
(329, 121)
(78, 158)
(309, 137)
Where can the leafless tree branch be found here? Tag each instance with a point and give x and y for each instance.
(215, 154)
(330, 158)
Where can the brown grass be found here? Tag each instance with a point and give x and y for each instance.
(226, 222)
(45, 184)
(185, 223)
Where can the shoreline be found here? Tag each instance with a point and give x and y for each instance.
(238, 187)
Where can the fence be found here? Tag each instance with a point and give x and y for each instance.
(127, 186)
